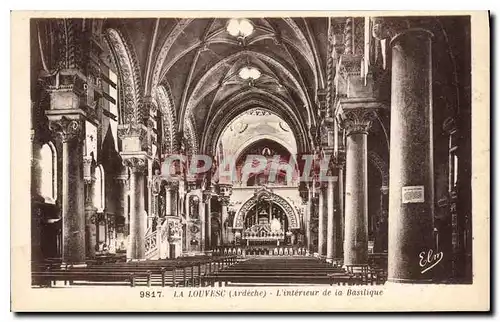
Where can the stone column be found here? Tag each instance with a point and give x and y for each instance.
(208, 224)
(224, 214)
(340, 230)
(225, 191)
(411, 183)
(310, 209)
(321, 221)
(306, 196)
(90, 210)
(356, 120)
(188, 206)
(73, 217)
(168, 200)
(201, 209)
(123, 183)
(330, 231)
(136, 245)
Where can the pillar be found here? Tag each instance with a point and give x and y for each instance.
(330, 232)
(340, 213)
(411, 177)
(187, 240)
(90, 210)
(73, 218)
(202, 213)
(136, 245)
(225, 191)
(224, 215)
(168, 200)
(321, 221)
(123, 183)
(356, 120)
(207, 196)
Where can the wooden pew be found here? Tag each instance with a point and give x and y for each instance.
(161, 272)
(69, 276)
(367, 274)
(277, 279)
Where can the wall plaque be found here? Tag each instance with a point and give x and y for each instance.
(413, 194)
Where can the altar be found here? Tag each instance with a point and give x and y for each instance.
(266, 229)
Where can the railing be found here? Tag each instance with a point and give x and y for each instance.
(260, 251)
(151, 244)
(157, 242)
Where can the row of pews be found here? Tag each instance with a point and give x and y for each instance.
(188, 271)
(208, 271)
(293, 270)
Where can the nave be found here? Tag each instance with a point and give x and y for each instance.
(329, 141)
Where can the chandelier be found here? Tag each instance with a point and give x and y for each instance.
(239, 28)
(248, 73)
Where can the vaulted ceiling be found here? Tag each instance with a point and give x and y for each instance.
(195, 63)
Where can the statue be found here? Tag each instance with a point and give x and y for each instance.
(275, 225)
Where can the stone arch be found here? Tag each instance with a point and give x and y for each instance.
(191, 136)
(259, 137)
(242, 103)
(166, 103)
(196, 95)
(288, 209)
(129, 75)
(381, 165)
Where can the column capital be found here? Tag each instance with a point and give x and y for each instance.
(356, 119)
(390, 28)
(225, 190)
(131, 130)
(136, 162)
(66, 128)
(206, 196)
(224, 201)
(132, 135)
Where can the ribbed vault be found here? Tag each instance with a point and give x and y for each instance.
(190, 67)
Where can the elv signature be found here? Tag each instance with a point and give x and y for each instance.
(429, 259)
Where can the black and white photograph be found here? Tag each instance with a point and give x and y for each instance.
(241, 155)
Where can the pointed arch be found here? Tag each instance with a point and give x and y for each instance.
(128, 68)
(169, 117)
(191, 136)
(289, 210)
(381, 166)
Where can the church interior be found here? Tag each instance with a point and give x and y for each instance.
(386, 101)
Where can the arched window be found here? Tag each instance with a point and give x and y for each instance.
(99, 189)
(48, 167)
